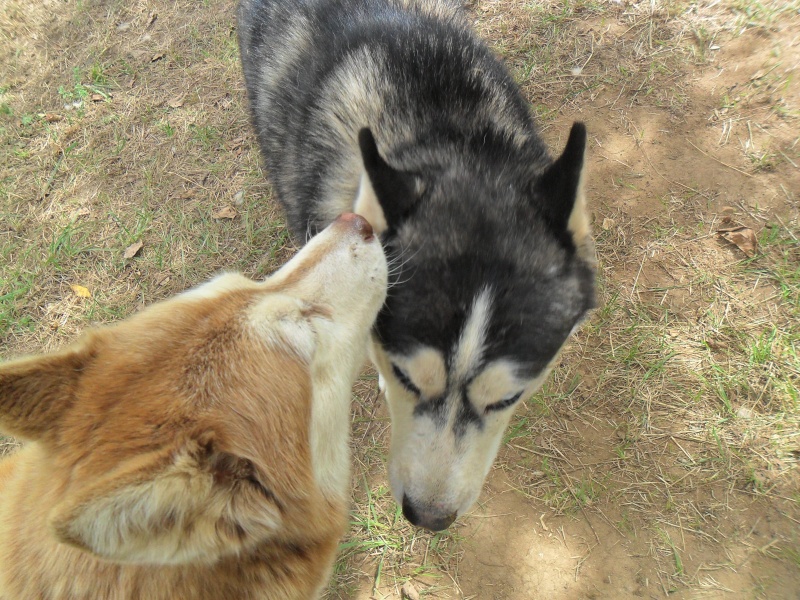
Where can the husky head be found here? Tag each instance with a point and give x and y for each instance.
(491, 275)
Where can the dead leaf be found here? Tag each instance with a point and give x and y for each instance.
(132, 250)
(52, 117)
(742, 237)
(608, 223)
(158, 56)
(409, 592)
(716, 344)
(226, 213)
(176, 102)
(97, 97)
(81, 291)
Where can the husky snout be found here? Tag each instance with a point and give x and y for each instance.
(432, 517)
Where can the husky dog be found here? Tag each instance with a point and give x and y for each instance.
(394, 109)
(199, 449)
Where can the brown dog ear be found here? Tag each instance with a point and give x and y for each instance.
(35, 391)
(174, 506)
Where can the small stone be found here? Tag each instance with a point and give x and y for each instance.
(409, 592)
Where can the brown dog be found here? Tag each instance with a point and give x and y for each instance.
(198, 449)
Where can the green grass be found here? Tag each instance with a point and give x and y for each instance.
(678, 563)
(791, 554)
(756, 13)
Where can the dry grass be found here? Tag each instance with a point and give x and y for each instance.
(662, 456)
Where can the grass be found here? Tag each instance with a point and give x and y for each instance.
(666, 440)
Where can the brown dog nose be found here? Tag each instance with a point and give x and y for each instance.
(359, 224)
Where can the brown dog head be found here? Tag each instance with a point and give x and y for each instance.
(209, 423)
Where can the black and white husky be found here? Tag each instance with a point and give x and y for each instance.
(395, 110)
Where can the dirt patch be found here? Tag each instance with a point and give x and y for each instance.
(660, 459)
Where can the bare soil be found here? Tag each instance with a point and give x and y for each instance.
(660, 460)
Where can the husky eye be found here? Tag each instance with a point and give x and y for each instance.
(405, 380)
(504, 403)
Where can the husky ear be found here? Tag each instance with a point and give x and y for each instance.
(35, 391)
(561, 185)
(386, 194)
(172, 507)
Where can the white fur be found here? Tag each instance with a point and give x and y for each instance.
(469, 350)
(281, 320)
(325, 318)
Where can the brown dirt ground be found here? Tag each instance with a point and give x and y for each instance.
(626, 477)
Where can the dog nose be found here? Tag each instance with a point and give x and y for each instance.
(359, 224)
(426, 518)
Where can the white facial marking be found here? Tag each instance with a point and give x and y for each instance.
(427, 371)
(469, 349)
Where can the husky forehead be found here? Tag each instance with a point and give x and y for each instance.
(536, 287)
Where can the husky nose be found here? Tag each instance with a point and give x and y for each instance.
(426, 518)
(359, 224)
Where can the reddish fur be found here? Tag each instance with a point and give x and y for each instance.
(183, 378)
